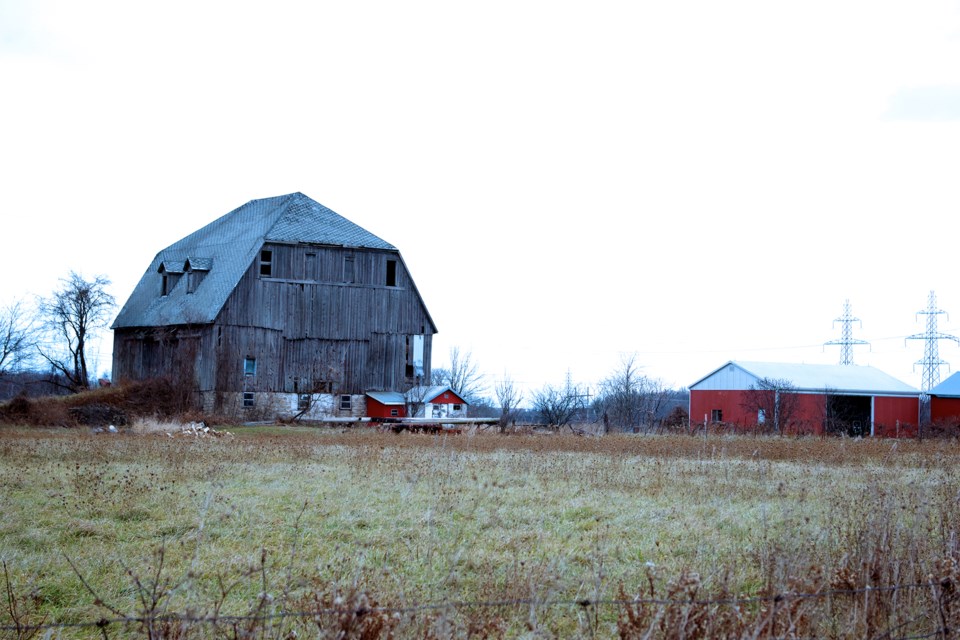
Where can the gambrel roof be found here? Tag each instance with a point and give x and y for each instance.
(811, 378)
(224, 249)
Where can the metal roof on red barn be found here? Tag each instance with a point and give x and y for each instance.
(811, 378)
(949, 388)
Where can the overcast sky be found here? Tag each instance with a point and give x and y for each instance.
(690, 181)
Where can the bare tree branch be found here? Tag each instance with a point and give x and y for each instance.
(630, 400)
(463, 376)
(73, 315)
(509, 397)
(775, 402)
(18, 336)
(556, 407)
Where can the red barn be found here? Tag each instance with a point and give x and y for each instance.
(945, 401)
(806, 398)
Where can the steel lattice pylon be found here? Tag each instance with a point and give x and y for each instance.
(846, 340)
(931, 353)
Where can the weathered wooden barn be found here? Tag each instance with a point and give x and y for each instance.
(945, 401)
(806, 398)
(281, 306)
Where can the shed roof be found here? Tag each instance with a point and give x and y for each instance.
(388, 397)
(852, 379)
(227, 247)
(949, 388)
(429, 394)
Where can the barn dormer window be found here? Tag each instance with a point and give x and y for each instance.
(170, 272)
(391, 273)
(196, 269)
(266, 262)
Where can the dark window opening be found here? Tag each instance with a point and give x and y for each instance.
(457, 407)
(193, 279)
(248, 398)
(391, 273)
(266, 262)
(164, 287)
(249, 366)
(409, 372)
(394, 413)
(716, 415)
(345, 403)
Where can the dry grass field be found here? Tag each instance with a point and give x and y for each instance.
(300, 532)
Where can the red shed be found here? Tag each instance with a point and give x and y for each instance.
(806, 398)
(945, 400)
(386, 404)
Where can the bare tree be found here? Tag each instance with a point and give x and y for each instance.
(463, 376)
(775, 402)
(509, 397)
(556, 407)
(630, 400)
(73, 315)
(18, 335)
(416, 399)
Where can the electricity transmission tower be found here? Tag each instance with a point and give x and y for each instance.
(931, 356)
(846, 340)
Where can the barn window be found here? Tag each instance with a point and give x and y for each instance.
(165, 286)
(457, 407)
(761, 416)
(716, 415)
(248, 398)
(303, 402)
(266, 262)
(394, 413)
(249, 366)
(348, 269)
(345, 403)
(391, 273)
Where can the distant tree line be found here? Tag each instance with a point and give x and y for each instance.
(625, 401)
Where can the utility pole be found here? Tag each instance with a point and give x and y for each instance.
(846, 340)
(931, 355)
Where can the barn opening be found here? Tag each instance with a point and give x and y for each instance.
(849, 415)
